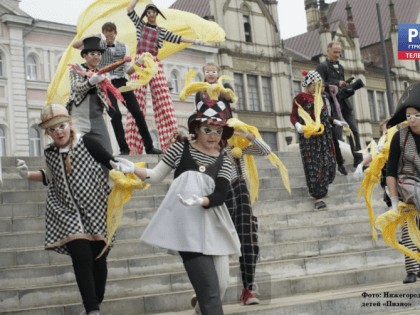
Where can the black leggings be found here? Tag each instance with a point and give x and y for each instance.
(91, 273)
(203, 276)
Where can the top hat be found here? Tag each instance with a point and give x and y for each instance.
(212, 115)
(410, 98)
(151, 6)
(53, 114)
(92, 44)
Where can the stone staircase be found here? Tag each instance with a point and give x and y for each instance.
(310, 262)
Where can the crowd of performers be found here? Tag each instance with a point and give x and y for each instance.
(209, 196)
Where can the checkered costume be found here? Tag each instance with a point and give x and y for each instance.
(150, 39)
(240, 210)
(76, 202)
(310, 78)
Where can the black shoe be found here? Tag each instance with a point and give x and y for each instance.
(153, 150)
(320, 206)
(342, 170)
(411, 278)
(418, 274)
(125, 152)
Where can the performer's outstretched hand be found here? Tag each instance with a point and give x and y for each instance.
(242, 134)
(340, 123)
(22, 169)
(359, 172)
(194, 201)
(95, 79)
(123, 165)
(394, 201)
(298, 127)
(199, 42)
(380, 147)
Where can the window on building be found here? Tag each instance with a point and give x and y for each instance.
(174, 78)
(247, 29)
(297, 87)
(380, 97)
(271, 139)
(268, 99)
(2, 142)
(371, 100)
(155, 138)
(253, 97)
(30, 68)
(239, 90)
(34, 142)
(342, 54)
(1, 66)
(417, 65)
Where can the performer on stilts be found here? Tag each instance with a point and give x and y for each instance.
(150, 38)
(403, 169)
(76, 211)
(193, 219)
(113, 51)
(316, 148)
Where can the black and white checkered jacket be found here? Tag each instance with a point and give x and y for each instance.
(79, 87)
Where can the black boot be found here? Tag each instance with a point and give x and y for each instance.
(153, 150)
(411, 278)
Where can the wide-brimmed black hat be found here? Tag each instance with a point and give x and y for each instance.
(91, 44)
(410, 98)
(211, 115)
(151, 6)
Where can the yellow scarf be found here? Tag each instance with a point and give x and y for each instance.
(145, 75)
(238, 143)
(212, 90)
(121, 193)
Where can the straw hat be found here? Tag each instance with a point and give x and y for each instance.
(53, 114)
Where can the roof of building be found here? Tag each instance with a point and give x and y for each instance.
(198, 7)
(364, 18)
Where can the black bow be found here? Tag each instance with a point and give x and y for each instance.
(113, 45)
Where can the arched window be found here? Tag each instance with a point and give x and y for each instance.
(2, 142)
(1, 66)
(199, 78)
(34, 142)
(30, 68)
(174, 78)
(155, 138)
(247, 29)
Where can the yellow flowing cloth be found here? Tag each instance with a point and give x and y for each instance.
(373, 176)
(121, 193)
(388, 222)
(213, 90)
(238, 143)
(348, 133)
(94, 16)
(311, 127)
(145, 75)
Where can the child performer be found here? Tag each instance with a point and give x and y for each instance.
(317, 151)
(193, 219)
(150, 38)
(76, 203)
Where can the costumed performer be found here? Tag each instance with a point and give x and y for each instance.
(77, 202)
(238, 200)
(317, 151)
(87, 99)
(113, 51)
(150, 38)
(403, 169)
(195, 201)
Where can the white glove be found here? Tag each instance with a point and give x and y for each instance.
(95, 79)
(140, 60)
(22, 169)
(199, 42)
(100, 35)
(123, 165)
(298, 127)
(379, 147)
(194, 201)
(359, 172)
(395, 200)
(242, 134)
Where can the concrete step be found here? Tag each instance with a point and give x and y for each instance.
(141, 295)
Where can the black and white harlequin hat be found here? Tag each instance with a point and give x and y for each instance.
(212, 115)
(410, 98)
(310, 77)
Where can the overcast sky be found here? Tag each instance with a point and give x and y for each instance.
(291, 12)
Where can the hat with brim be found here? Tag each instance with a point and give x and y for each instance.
(213, 116)
(91, 44)
(151, 6)
(410, 98)
(52, 115)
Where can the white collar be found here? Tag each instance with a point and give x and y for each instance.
(75, 141)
